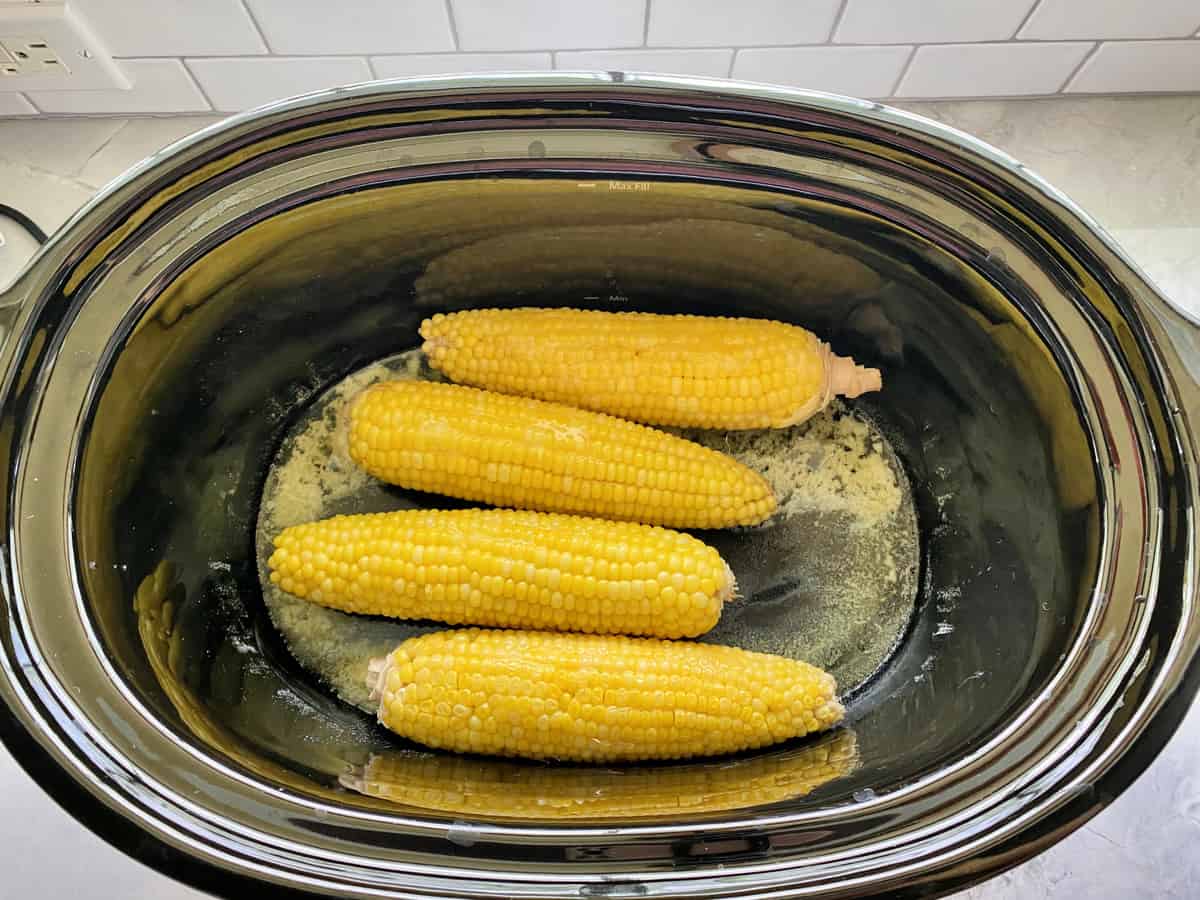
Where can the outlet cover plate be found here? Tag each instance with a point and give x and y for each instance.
(47, 46)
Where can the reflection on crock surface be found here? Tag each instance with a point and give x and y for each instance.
(492, 789)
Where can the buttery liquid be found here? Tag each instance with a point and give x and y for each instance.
(831, 578)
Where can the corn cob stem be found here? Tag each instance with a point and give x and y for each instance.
(848, 379)
(518, 452)
(687, 371)
(587, 698)
(507, 568)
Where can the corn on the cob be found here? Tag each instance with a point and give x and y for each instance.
(507, 568)
(529, 454)
(689, 371)
(588, 698)
(493, 788)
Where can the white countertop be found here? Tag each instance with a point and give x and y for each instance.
(1133, 163)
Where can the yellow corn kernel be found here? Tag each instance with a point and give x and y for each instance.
(507, 568)
(588, 698)
(688, 371)
(490, 788)
(513, 451)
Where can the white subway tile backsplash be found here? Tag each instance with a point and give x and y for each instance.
(237, 84)
(683, 23)
(194, 55)
(172, 27)
(1083, 19)
(1140, 66)
(856, 71)
(548, 24)
(929, 21)
(990, 70)
(452, 63)
(707, 63)
(15, 105)
(159, 86)
(353, 26)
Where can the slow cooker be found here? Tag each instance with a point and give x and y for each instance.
(1040, 394)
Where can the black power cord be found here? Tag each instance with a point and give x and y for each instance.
(24, 221)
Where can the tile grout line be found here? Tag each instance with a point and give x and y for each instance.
(1081, 95)
(646, 25)
(1039, 98)
(1078, 68)
(75, 173)
(666, 48)
(912, 55)
(42, 112)
(991, 42)
(837, 21)
(732, 62)
(1025, 21)
(453, 27)
(1164, 39)
(196, 81)
(262, 34)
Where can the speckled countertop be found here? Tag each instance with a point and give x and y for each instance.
(1133, 163)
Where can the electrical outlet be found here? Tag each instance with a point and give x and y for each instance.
(48, 46)
(30, 56)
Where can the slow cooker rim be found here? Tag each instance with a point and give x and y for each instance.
(774, 94)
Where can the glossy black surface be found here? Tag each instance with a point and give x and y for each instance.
(276, 312)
